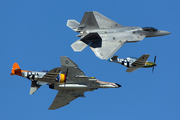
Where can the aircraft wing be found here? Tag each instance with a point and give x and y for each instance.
(138, 63)
(50, 76)
(108, 48)
(94, 19)
(63, 97)
(131, 69)
(141, 61)
(71, 69)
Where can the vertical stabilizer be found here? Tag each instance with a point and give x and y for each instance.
(16, 70)
(103, 21)
(88, 21)
(114, 57)
(93, 19)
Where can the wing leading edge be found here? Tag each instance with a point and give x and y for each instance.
(139, 63)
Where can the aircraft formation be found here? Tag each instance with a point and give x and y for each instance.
(104, 36)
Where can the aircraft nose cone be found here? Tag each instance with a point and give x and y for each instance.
(118, 85)
(164, 33)
(153, 64)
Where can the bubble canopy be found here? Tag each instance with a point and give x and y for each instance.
(150, 29)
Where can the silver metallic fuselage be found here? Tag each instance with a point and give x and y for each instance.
(134, 34)
(90, 85)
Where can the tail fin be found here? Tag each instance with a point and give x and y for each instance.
(73, 24)
(16, 70)
(114, 57)
(89, 20)
(65, 61)
(94, 19)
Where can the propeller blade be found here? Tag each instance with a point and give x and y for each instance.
(153, 69)
(66, 72)
(154, 59)
(66, 77)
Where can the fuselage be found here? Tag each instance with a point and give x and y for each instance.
(32, 75)
(134, 34)
(92, 82)
(127, 62)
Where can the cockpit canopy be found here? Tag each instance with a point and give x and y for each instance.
(150, 29)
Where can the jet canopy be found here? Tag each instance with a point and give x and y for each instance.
(150, 29)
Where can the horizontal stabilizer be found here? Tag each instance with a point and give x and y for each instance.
(78, 46)
(34, 87)
(73, 24)
(114, 58)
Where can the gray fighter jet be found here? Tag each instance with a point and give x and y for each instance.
(71, 83)
(105, 36)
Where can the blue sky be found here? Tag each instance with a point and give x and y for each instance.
(34, 34)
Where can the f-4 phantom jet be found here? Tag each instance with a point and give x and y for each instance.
(68, 79)
(104, 36)
(134, 63)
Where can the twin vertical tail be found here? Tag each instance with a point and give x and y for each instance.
(16, 70)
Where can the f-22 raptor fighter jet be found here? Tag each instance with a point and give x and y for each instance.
(104, 36)
(133, 63)
(71, 83)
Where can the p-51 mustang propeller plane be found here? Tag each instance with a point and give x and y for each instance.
(134, 63)
(71, 83)
(104, 36)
